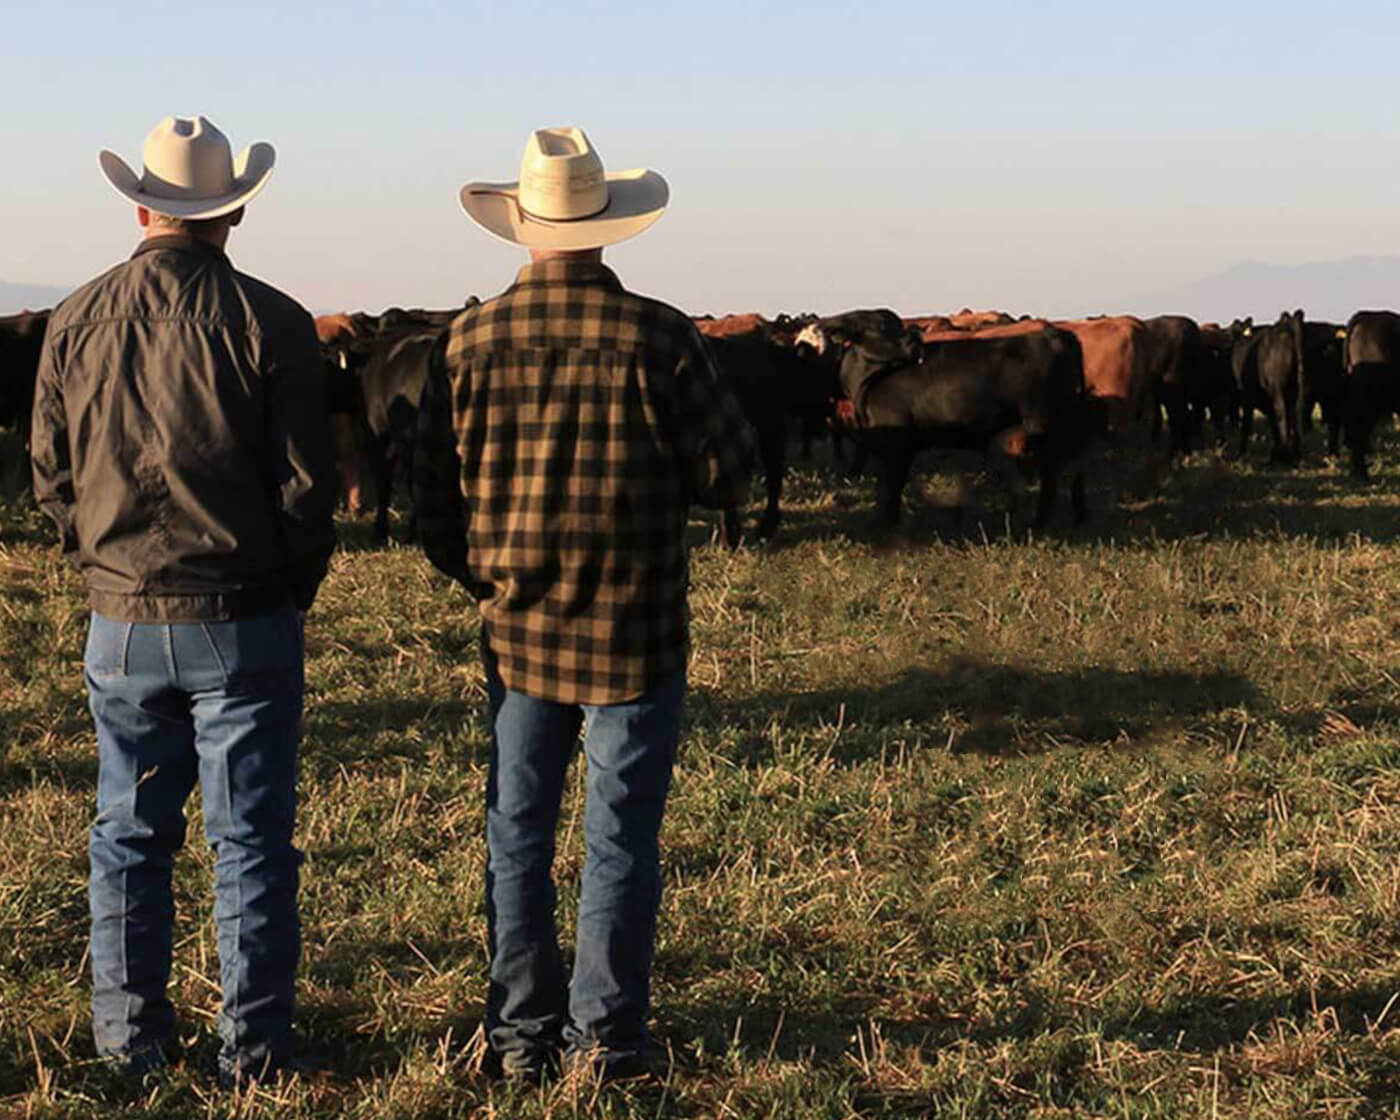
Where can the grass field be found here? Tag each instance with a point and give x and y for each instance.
(1104, 823)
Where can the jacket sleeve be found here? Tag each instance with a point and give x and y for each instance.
(52, 465)
(302, 458)
(716, 441)
(437, 475)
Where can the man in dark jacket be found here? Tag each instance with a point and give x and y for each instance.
(565, 428)
(181, 445)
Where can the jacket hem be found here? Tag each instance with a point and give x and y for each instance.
(218, 606)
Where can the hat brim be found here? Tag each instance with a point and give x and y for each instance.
(251, 171)
(635, 200)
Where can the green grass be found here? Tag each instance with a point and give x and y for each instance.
(1100, 823)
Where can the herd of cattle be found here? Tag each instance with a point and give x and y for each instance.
(1034, 395)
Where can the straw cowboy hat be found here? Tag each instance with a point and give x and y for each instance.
(564, 199)
(189, 170)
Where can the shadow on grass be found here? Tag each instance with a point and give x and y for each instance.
(767, 1028)
(996, 708)
(382, 728)
(1132, 495)
(1210, 1023)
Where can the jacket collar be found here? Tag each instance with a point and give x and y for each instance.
(561, 270)
(180, 242)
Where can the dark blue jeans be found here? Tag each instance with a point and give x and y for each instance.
(217, 702)
(532, 1009)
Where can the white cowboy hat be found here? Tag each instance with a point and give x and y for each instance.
(189, 170)
(564, 199)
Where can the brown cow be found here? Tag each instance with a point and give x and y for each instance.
(729, 325)
(928, 325)
(969, 320)
(1010, 328)
(1115, 368)
(336, 328)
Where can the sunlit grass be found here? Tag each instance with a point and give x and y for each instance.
(1105, 822)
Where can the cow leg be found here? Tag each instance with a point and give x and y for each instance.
(733, 526)
(1246, 425)
(1360, 420)
(1076, 498)
(347, 451)
(892, 472)
(383, 487)
(852, 465)
(859, 454)
(1178, 422)
(772, 449)
(403, 456)
(1294, 428)
(1281, 426)
(1048, 458)
(1049, 469)
(1007, 453)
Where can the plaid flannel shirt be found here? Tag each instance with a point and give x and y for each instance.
(565, 428)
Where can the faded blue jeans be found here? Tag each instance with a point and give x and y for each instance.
(532, 1009)
(217, 702)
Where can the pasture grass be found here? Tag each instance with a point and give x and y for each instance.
(967, 823)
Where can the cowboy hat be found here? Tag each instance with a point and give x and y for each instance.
(564, 199)
(189, 170)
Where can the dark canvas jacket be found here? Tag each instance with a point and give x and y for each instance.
(181, 442)
(565, 428)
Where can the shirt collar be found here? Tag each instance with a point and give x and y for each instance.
(180, 242)
(561, 270)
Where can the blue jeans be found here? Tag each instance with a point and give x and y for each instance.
(532, 1010)
(219, 702)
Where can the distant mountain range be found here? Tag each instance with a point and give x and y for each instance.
(1329, 290)
(18, 297)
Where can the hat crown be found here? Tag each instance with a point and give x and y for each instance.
(561, 176)
(187, 158)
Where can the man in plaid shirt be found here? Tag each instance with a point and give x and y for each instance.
(565, 428)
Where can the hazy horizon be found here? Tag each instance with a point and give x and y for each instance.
(919, 156)
(1327, 290)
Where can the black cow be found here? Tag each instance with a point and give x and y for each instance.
(385, 365)
(1270, 365)
(21, 338)
(391, 385)
(1372, 363)
(1020, 396)
(882, 336)
(1325, 385)
(1215, 392)
(1174, 375)
(759, 374)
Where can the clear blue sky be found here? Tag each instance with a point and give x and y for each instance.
(1059, 158)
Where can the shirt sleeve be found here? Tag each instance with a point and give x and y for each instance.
(51, 458)
(716, 441)
(437, 475)
(303, 459)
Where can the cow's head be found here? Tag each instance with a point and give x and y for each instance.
(812, 336)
